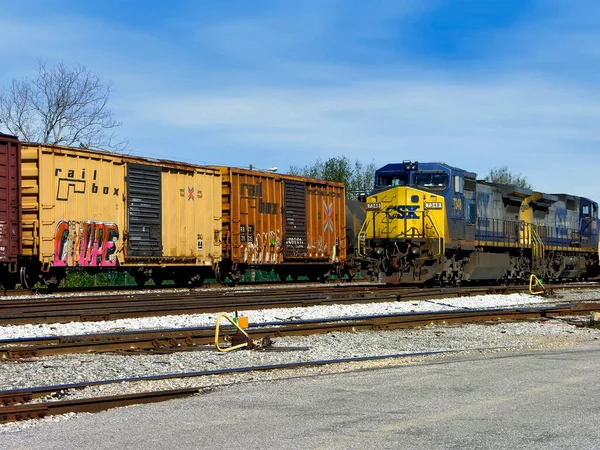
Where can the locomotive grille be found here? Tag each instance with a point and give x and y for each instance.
(144, 210)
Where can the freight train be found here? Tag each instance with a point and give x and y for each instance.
(64, 209)
(434, 223)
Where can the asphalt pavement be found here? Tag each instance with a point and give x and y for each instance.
(537, 399)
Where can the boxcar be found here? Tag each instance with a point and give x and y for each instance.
(104, 211)
(292, 225)
(10, 208)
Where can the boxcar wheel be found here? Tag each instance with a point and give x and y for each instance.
(197, 281)
(27, 281)
(283, 276)
(140, 279)
(181, 280)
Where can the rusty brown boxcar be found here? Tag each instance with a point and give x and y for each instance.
(292, 225)
(10, 208)
(104, 211)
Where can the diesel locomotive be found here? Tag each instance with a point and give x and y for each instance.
(433, 223)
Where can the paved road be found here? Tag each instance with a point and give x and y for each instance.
(544, 399)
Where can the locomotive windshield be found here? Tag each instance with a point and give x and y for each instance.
(395, 179)
(432, 180)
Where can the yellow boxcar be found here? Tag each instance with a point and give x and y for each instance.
(291, 224)
(85, 208)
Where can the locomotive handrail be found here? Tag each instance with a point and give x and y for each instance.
(532, 237)
(361, 236)
(440, 241)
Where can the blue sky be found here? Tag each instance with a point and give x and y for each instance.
(476, 84)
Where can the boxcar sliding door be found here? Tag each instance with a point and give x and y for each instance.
(144, 220)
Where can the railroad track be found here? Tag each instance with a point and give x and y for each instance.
(203, 338)
(23, 404)
(43, 291)
(120, 306)
(38, 402)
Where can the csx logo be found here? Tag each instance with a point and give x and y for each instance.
(401, 212)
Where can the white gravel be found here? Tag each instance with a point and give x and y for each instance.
(88, 367)
(286, 314)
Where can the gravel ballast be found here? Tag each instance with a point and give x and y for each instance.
(469, 338)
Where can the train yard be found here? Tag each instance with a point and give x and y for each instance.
(84, 307)
(110, 364)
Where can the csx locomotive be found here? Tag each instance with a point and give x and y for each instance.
(431, 222)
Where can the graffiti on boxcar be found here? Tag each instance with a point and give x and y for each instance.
(85, 243)
(317, 247)
(295, 247)
(264, 248)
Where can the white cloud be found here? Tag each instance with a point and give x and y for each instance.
(261, 90)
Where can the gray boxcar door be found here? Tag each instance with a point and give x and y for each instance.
(294, 199)
(144, 210)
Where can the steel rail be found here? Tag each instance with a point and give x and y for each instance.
(199, 338)
(15, 404)
(63, 310)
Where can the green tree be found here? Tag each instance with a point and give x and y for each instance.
(357, 178)
(502, 175)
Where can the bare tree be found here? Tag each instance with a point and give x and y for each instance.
(61, 105)
(502, 175)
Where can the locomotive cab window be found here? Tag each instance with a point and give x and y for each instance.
(590, 210)
(397, 179)
(458, 184)
(432, 180)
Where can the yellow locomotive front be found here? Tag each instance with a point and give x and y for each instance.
(402, 238)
